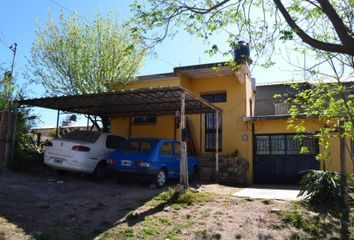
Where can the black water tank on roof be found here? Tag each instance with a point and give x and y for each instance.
(242, 52)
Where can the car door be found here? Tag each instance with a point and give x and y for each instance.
(168, 159)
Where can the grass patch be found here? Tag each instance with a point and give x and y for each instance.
(206, 213)
(316, 225)
(205, 235)
(118, 233)
(187, 198)
(132, 215)
(173, 234)
(267, 201)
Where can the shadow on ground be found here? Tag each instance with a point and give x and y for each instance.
(45, 205)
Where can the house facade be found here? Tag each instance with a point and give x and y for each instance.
(251, 123)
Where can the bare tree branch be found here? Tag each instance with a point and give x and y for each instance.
(325, 46)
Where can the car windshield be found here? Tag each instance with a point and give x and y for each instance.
(137, 146)
(85, 136)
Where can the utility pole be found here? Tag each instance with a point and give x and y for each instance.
(13, 48)
(183, 141)
(9, 81)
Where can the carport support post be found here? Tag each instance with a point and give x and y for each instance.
(57, 129)
(200, 128)
(183, 140)
(217, 146)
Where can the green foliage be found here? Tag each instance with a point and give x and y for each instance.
(72, 56)
(318, 226)
(321, 187)
(187, 198)
(258, 21)
(25, 119)
(330, 103)
(267, 201)
(6, 89)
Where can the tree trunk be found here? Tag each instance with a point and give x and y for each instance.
(344, 187)
(106, 124)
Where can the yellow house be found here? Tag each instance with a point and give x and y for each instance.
(261, 138)
(254, 142)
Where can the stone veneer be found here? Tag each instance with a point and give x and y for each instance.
(232, 170)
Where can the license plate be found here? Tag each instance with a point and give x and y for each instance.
(58, 161)
(126, 163)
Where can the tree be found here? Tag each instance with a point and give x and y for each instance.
(333, 104)
(262, 22)
(326, 27)
(6, 90)
(72, 56)
(25, 119)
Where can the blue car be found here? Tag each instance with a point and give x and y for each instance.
(157, 159)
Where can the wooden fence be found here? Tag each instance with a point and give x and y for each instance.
(7, 137)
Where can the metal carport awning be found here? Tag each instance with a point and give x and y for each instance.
(138, 102)
(134, 102)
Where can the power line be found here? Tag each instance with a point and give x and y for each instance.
(3, 42)
(165, 61)
(70, 11)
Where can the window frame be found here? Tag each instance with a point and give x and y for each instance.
(209, 132)
(114, 136)
(313, 151)
(215, 97)
(145, 120)
(171, 146)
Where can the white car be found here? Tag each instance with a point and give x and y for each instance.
(81, 151)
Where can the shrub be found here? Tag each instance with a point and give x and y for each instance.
(321, 186)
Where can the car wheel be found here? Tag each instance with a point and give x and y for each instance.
(160, 179)
(100, 173)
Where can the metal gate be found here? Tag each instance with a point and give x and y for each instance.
(278, 158)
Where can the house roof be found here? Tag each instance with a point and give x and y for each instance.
(135, 102)
(193, 72)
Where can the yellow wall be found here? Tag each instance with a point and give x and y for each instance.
(164, 128)
(236, 134)
(164, 82)
(233, 126)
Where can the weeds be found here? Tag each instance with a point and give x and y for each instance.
(317, 225)
(267, 201)
(185, 199)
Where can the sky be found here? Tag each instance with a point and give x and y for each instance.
(19, 20)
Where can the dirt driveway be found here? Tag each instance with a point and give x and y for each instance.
(48, 206)
(45, 206)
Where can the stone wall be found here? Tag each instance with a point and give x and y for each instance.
(232, 170)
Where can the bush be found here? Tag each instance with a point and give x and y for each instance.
(321, 186)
